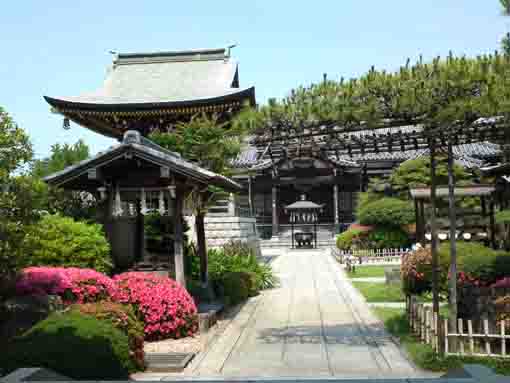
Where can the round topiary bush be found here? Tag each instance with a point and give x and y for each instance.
(386, 211)
(164, 306)
(123, 318)
(72, 284)
(75, 345)
(64, 242)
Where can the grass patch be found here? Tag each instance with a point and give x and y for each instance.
(423, 355)
(368, 272)
(380, 292)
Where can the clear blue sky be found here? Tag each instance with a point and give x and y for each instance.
(60, 48)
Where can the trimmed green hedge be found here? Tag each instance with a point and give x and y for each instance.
(75, 345)
(387, 211)
(62, 241)
(348, 238)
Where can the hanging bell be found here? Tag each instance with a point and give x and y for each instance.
(66, 124)
(161, 203)
(117, 208)
(143, 202)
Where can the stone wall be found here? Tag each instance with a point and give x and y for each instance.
(221, 229)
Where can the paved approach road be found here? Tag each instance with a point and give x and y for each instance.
(314, 324)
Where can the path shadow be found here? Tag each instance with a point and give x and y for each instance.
(342, 334)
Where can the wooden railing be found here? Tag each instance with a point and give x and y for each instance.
(482, 338)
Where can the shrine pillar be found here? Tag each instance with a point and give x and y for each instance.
(274, 206)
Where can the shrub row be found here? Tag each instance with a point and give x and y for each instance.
(166, 309)
(476, 264)
(377, 238)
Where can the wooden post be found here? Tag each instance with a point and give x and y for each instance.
(274, 205)
(452, 318)
(417, 215)
(140, 230)
(201, 243)
(335, 207)
(492, 223)
(250, 196)
(433, 229)
(178, 240)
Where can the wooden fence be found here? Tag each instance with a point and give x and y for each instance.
(483, 338)
(372, 255)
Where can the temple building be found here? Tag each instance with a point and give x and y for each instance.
(148, 91)
(276, 175)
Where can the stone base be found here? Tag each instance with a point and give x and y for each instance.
(220, 230)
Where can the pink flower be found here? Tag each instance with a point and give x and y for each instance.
(157, 298)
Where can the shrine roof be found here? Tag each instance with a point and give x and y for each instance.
(303, 205)
(147, 150)
(162, 80)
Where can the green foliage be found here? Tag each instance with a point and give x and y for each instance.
(416, 271)
(61, 157)
(205, 140)
(423, 355)
(237, 257)
(237, 286)
(61, 241)
(502, 217)
(476, 260)
(377, 292)
(75, 345)
(437, 94)
(414, 173)
(505, 44)
(15, 152)
(349, 238)
(124, 318)
(15, 147)
(383, 237)
(505, 4)
(386, 211)
(368, 272)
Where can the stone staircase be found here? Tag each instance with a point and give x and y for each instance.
(325, 238)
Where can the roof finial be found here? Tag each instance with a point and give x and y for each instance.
(229, 48)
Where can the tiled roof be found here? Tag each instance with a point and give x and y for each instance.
(150, 151)
(165, 77)
(467, 155)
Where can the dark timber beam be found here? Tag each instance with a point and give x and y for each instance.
(274, 207)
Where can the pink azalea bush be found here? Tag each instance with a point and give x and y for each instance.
(502, 283)
(165, 307)
(72, 284)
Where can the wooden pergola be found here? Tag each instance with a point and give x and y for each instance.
(129, 177)
(421, 195)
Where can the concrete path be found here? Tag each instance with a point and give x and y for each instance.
(315, 324)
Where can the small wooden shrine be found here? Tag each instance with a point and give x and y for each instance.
(133, 179)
